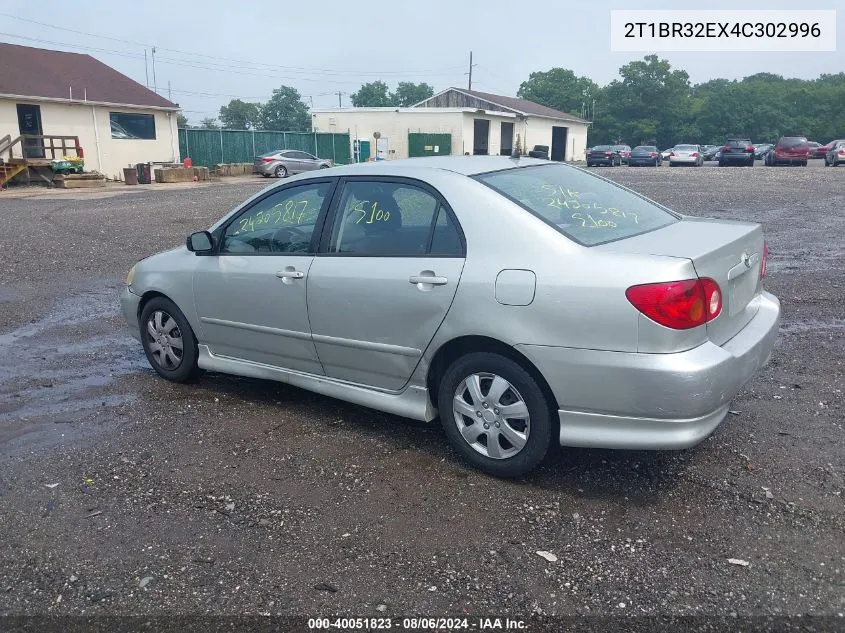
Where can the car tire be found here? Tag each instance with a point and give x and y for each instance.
(280, 172)
(157, 322)
(721, 163)
(461, 422)
(804, 164)
(826, 164)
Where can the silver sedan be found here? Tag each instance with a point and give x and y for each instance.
(524, 302)
(686, 155)
(285, 162)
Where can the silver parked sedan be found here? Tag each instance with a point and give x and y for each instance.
(686, 155)
(518, 299)
(285, 162)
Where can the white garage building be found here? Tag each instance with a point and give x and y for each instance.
(457, 121)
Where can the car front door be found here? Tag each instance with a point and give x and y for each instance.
(251, 293)
(307, 162)
(384, 278)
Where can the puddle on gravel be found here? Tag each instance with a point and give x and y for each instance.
(50, 367)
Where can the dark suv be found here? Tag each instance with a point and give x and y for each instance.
(790, 150)
(737, 151)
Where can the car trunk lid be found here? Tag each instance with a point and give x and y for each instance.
(729, 252)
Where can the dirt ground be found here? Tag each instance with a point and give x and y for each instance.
(121, 493)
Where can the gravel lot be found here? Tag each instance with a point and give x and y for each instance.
(121, 493)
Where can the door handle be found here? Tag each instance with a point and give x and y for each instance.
(428, 279)
(290, 274)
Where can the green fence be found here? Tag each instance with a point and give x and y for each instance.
(422, 144)
(208, 148)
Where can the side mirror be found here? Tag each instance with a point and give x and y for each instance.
(200, 243)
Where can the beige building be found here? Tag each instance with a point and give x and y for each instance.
(457, 121)
(46, 95)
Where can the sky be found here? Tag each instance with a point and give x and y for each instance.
(212, 51)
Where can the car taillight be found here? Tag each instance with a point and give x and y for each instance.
(267, 160)
(725, 148)
(654, 154)
(679, 305)
(671, 153)
(842, 151)
(694, 154)
(765, 263)
(749, 148)
(608, 153)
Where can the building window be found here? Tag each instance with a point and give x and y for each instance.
(132, 126)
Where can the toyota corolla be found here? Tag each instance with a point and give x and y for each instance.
(522, 302)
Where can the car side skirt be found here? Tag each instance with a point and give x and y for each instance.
(412, 402)
(596, 430)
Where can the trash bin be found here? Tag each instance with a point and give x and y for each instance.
(130, 175)
(145, 176)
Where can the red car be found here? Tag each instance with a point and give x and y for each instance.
(821, 152)
(790, 150)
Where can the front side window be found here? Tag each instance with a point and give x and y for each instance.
(584, 207)
(281, 223)
(392, 219)
(130, 125)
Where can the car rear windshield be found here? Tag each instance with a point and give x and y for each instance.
(584, 207)
(738, 142)
(792, 141)
(686, 148)
(645, 148)
(602, 148)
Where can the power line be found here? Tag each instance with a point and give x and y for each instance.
(194, 54)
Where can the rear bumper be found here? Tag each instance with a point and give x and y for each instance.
(642, 161)
(264, 168)
(736, 158)
(604, 160)
(678, 160)
(653, 401)
(129, 303)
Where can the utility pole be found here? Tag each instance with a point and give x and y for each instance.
(155, 87)
(146, 70)
(469, 84)
(339, 102)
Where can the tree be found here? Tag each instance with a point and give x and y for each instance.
(209, 122)
(408, 93)
(285, 111)
(240, 115)
(559, 88)
(181, 120)
(372, 95)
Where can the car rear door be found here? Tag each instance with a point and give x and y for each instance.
(384, 278)
(251, 294)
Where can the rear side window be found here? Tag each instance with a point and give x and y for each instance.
(392, 220)
(585, 208)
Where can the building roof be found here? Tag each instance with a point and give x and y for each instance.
(514, 104)
(41, 73)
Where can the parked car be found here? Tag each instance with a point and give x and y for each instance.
(624, 152)
(285, 162)
(603, 155)
(366, 283)
(711, 152)
(790, 150)
(835, 155)
(686, 155)
(824, 149)
(666, 152)
(707, 151)
(737, 151)
(761, 149)
(645, 155)
(814, 150)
